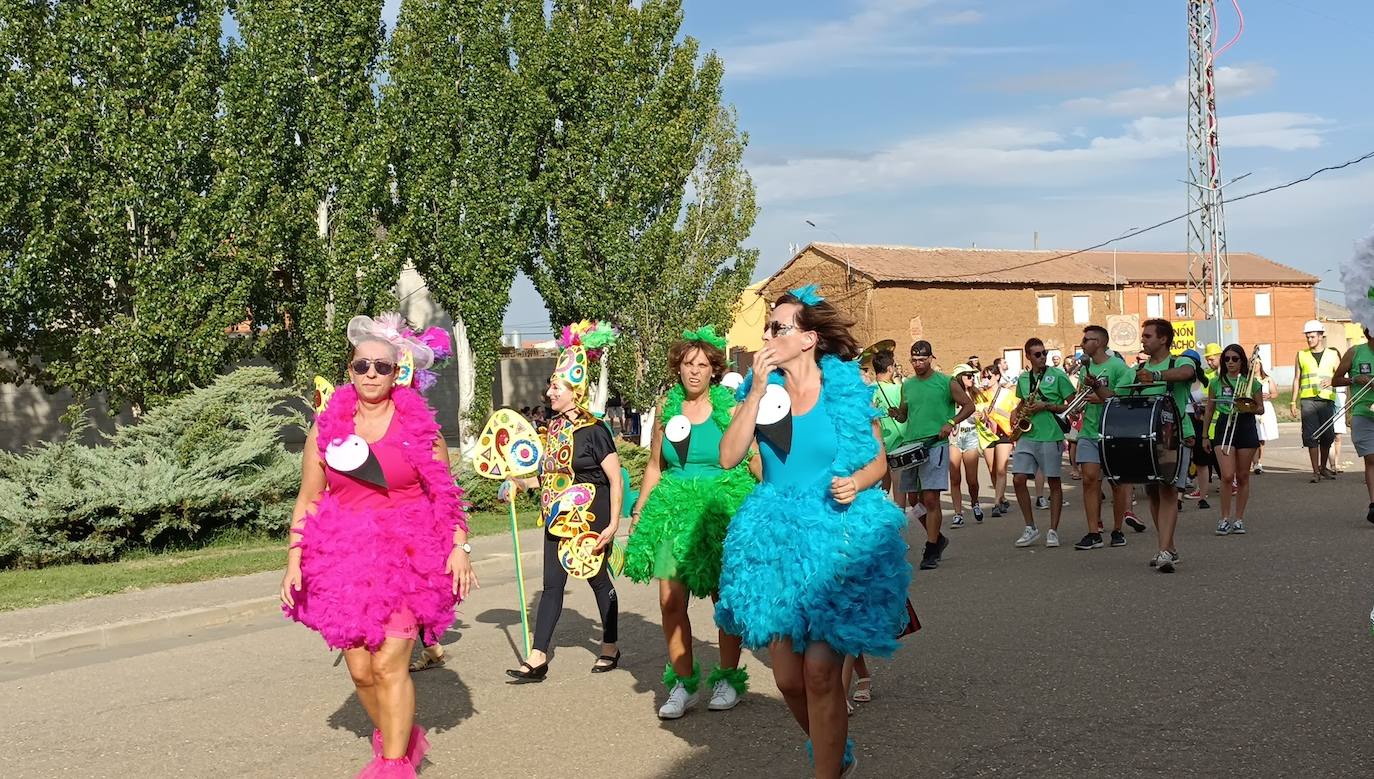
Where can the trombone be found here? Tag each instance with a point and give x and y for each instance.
(1243, 403)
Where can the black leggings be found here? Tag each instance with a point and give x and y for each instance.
(551, 600)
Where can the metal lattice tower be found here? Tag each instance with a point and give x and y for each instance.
(1209, 274)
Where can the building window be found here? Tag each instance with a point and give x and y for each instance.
(1045, 306)
(1154, 306)
(1181, 305)
(1013, 358)
(1082, 309)
(1262, 304)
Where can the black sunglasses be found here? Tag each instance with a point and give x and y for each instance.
(1038, 355)
(1231, 358)
(384, 367)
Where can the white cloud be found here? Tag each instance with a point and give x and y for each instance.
(1231, 82)
(966, 16)
(1017, 155)
(875, 34)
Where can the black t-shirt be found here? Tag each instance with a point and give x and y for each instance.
(591, 445)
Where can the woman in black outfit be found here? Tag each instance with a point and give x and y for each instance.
(581, 494)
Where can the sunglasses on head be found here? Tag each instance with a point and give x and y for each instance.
(384, 367)
(779, 328)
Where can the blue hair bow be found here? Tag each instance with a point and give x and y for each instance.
(808, 295)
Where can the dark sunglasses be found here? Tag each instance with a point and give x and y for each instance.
(778, 328)
(1231, 358)
(1038, 355)
(384, 367)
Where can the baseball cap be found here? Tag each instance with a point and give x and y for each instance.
(922, 349)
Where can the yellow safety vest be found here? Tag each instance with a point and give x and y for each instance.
(1313, 371)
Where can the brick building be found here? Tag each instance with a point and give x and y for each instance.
(989, 301)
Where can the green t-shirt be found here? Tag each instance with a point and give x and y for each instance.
(928, 406)
(1115, 374)
(1052, 387)
(888, 395)
(1179, 389)
(1362, 364)
(1223, 392)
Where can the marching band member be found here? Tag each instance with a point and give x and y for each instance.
(932, 407)
(1356, 371)
(1043, 391)
(1107, 375)
(1232, 440)
(1174, 376)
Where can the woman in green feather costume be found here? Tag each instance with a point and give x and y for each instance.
(683, 512)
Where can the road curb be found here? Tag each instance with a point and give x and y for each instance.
(34, 648)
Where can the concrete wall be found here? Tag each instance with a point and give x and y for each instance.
(521, 381)
(29, 415)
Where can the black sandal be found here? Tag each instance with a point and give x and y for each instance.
(611, 663)
(529, 673)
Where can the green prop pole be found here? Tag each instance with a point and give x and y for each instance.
(520, 579)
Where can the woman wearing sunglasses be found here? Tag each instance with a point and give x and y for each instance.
(814, 564)
(379, 546)
(1233, 441)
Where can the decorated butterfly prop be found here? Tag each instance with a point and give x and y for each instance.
(509, 447)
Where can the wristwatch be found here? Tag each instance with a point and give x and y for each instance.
(1156, 375)
(466, 547)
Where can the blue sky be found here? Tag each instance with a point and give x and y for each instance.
(958, 122)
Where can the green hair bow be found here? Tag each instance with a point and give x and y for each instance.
(707, 334)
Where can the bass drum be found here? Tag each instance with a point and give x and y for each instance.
(1142, 439)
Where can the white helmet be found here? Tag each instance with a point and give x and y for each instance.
(1313, 326)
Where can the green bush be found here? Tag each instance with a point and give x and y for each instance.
(634, 457)
(209, 462)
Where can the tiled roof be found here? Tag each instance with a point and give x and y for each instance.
(1042, 266)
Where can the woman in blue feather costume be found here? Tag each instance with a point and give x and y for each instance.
(814, 563)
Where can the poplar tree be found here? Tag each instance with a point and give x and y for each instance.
(109, 116)
(638, 115)
(465, 110)
(302, 180)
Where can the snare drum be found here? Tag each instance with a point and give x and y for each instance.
(1142, 441)
(908, 456)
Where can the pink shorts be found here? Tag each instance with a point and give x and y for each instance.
(401, 624)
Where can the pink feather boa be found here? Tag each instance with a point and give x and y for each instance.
(360, 567)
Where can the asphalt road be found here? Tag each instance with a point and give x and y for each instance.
(1253, 660)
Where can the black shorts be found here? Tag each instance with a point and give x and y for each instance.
(1245, 436)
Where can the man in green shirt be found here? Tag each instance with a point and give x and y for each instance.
(1043, 391)
(1357, 371)
(932, 407)
(1176, 377)
(1107, 374)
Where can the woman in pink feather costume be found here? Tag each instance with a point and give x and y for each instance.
(378, 537)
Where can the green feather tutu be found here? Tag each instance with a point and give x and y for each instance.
(681, 530)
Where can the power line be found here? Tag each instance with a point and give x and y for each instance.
(1157, 225)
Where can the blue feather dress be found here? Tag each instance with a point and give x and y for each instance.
(799, 565)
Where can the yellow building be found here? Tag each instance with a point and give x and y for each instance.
(751, 312)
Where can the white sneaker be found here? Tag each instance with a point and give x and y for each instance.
(723, 697)
(915, 513)
(1238, 527)
(1028, 536)
(679, 701)
(1223, 528)
(1164, 562)
(1051, 538)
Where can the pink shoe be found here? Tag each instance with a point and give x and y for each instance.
(418, 747)
(381, 768)
(376, 743)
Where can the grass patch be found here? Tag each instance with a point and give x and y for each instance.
(228, 555)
